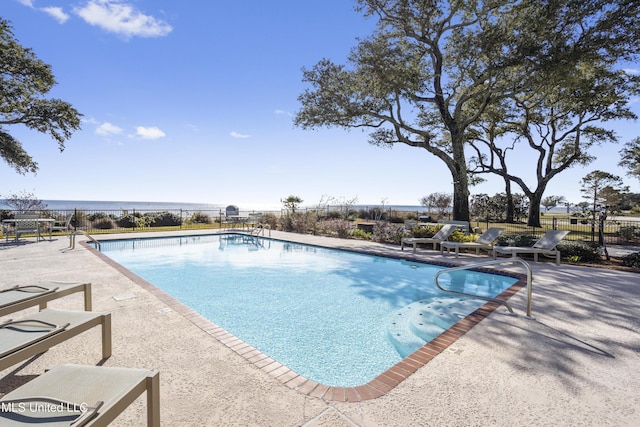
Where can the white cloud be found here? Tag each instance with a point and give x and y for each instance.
(634, 71)
(235, 134)
(118, 17)
(149, 133)
(28, 3)
(106, 129)
(283, 113)
(57, 13)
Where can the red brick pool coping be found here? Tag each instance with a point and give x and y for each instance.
(379, 386)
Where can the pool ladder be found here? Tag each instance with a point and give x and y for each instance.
(259, 229)
(72, 239)
(484, 264)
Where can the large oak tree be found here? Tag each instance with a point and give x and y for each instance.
(430, 71)
(410, 82)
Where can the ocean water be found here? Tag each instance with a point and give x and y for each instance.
(98, 205)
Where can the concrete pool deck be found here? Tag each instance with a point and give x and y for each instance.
(577, 362)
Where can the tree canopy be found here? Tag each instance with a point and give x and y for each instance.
(24, 81)
(434, 71)
(631, 158)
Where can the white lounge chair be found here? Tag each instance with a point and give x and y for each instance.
(546, 246)
(21, 297)
(442, 235)
(37, 333)
(81, 396)
(485, 241)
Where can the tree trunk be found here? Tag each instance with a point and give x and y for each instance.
(535, 201)
(460, 180)
(510, 207)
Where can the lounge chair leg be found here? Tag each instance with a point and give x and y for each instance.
(153, 400)
(88, 306)
(106, 336)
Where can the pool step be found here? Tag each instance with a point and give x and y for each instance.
(399, 333)
(421, 321)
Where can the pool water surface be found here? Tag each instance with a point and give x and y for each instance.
(329, 315)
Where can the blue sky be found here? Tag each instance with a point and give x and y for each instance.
(193, 102)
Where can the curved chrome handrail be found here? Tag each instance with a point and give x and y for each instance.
(483, 264)
(72, 237)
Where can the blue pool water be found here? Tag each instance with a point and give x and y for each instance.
(331, 316)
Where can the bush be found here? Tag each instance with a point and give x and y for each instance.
(360, 234)
(96, 216)
(104, 223)
(575, 251)
(162, 219)
(338, 227)
(384, 232)
(200, 218)
(131, 221)
(270, 219)
(629, 232)
(631, 260)
(516, 240)
(459, 236)
(425, 230)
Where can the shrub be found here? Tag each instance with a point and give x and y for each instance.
(631, 260)
(575, 251)
(425, 230)
(360, 234)
(96, 216)
(334, 214)
(162, 219)
(459, 236)
(200, 218)
(104, 223)
(338, 227)
(516, 240)
(384, 232)
(271, 219)
(629, 232)
(132, 221)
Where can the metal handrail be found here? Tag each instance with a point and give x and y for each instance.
(260, 229)
(72, 237)
(483, 264)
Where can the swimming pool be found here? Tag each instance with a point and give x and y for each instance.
(339, 318)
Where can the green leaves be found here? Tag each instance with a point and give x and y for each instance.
(24, 81)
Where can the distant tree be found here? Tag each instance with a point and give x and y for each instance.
(24, 202)
(291, 203)
(24, 80)
(440, 201)
(631, 158)
(551, 202)
(480, 206)
(601, 189)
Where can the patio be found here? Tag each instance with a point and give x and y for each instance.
(576, 363)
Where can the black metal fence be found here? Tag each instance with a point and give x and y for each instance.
(614, 231)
